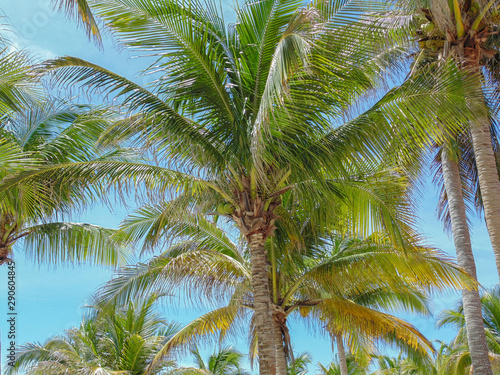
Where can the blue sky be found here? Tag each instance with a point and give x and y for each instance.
(50, 300)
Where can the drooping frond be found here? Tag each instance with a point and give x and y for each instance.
(211, 323)
(343, 315)
(189, 40)
(58, 243)
(71, 182)
(17, 85)
(81, 10)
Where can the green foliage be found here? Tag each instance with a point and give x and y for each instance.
(456, 356)
(225, 361)
(43, 135)
(260, 100)
(353, 368)
(345, 284)
(118, 341)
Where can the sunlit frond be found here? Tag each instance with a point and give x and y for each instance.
(58, 243)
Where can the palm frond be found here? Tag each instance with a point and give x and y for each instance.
(75, 243)
(80, 9)
(211, 323)
(17, 84)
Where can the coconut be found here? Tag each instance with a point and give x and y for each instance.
(428, 27)
(304, 310)
(225, 208)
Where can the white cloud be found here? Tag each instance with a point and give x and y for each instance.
(17, 43)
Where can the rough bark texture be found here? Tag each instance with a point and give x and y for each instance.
(280, 350)
(461, 237)
(342, 356)
(488, 181)
(254, 215)
(262, 305)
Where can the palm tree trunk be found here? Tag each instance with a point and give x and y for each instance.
(488, 181)
(342, 356)
(280, 350)
(461, 237)
(264, 324)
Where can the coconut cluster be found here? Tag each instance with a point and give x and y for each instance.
(431, 37)
(225, 208)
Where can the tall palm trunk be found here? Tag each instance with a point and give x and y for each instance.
(342, 356)
(264, 324)
(488, 180)
(461, 237)
(280, 350)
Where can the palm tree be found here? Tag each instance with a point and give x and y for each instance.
(226, 361)
(299, 364)
(121, 341)
(464, 32)
(338, 284)
(467, 32)
(334, 368)
(402, 365)
(50, 133)
(246, 115)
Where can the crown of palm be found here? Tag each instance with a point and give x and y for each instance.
(339, 285)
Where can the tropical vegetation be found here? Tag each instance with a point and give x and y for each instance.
(248, 111)
(285, 155)
(465, 32)
(226, 361)
(118, 341)
(340, 284)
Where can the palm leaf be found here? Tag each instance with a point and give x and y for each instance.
(55, 243)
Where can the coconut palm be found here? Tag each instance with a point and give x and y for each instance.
(226, 361)
(49, 133)
(299, 364)
(334, 368)
(121, 341)
(247, 114)
(339, 285)
(465, 32)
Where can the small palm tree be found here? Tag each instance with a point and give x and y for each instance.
(401, 365)
(298, 366)
(334, 368)
(118, 341)
(226, 361)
